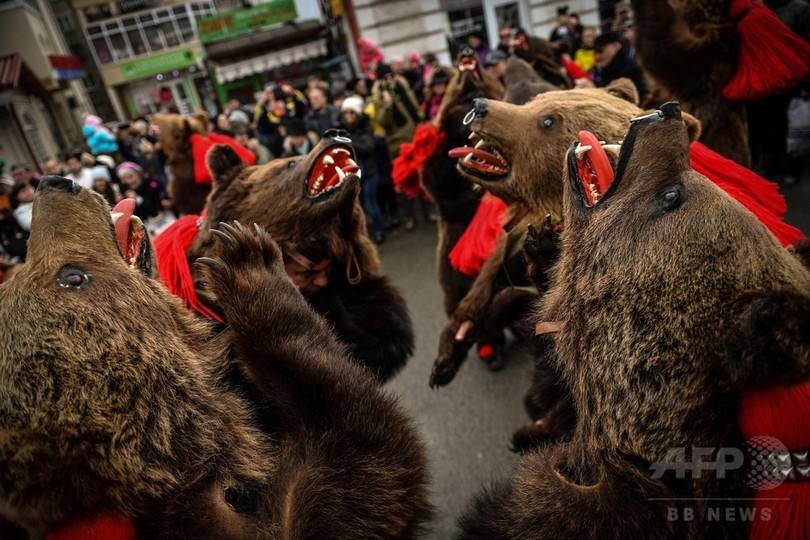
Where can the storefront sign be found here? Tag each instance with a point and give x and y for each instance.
(66, 67)
(158, 63)
(244, 20)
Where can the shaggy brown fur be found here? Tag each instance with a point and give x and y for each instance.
(522, 82)
(371, 316)
(668, 294)
(187, 196)
(690, 48)
(456, 199)
(531, 138)
(110, 400)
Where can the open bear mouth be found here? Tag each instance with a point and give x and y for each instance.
(129, 231)
(595, 168)
(331, 169)
(592, 165)
(484, 160)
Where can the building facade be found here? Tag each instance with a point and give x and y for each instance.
(148, 53)
(42, 97)
(438, 26)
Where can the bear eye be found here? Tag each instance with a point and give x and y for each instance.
(71, 277)
(548, 122)
(670, 198)
(293, 164)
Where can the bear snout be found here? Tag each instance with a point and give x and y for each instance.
(58, 182)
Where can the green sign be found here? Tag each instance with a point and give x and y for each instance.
(244, 20)
(158, 63)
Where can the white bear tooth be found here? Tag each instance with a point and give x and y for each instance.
(480, 143)
(467, 158)
(327, 160)
(351, 162)
(116, 216)
(340, 173)
(359, 174)
(581, 149)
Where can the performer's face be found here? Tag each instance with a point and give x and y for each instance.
(309, 280)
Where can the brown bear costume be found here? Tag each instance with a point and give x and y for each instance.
(111, 401)
(524, 138)
(713, 56)
(670, 300)
(174, 135)
(307, 216)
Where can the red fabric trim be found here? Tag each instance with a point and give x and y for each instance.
(784, 414)
(170, 249)
(199, 150)
(104, 527)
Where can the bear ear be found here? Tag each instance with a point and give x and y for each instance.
(223, 163)
(692, 126)
(775, 331)
(625, 89)
(202, 118)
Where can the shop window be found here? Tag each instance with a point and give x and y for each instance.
(120, 47)
(186, 28)
(102, 50)
(170, 34)
(65, 22)
(137, 42)
(152, 34)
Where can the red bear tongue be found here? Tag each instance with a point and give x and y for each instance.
(599, 161)
(123, 229)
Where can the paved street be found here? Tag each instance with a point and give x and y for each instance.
(467, 424)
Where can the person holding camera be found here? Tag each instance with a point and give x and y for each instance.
(397, 111)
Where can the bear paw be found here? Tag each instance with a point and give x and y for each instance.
(246, 258)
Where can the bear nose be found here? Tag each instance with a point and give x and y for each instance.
(479, 110)
(339, 134)
(58, 182)
(671, 109)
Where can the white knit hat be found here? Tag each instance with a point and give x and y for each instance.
(354, 103)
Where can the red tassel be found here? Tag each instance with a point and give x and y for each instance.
(479, 239)
(199, 149)
(772, 58)
(96, 528)
(170, 249)
(784, 414)
(758, 195)
(407, 167)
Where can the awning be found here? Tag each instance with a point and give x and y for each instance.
(14, 73)
(10, 70)
(259, 64)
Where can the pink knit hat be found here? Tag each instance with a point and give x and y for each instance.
(129, 166)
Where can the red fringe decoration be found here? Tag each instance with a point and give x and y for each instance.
(199, 149)
(407, 167)
(479, 239)
(782, 413)
(96, 528)
(772, 58)
(758, 195)
(170, 249)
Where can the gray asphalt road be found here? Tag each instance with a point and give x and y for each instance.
(467, 424)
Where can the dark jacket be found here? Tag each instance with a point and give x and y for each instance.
(622, 65)
(362, 135)
(320, 121)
